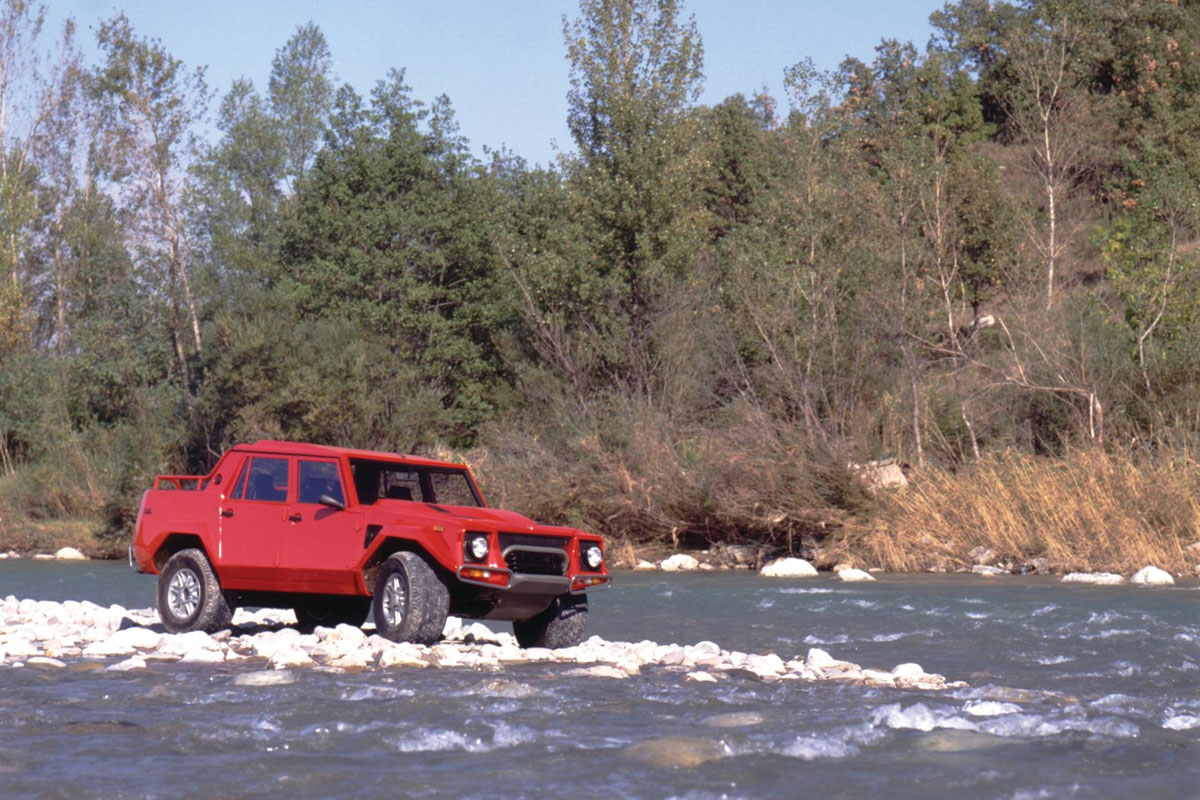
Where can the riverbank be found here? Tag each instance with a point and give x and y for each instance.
(1087, 511)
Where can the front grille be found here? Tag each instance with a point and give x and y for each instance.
(534, 562)
(507, 540)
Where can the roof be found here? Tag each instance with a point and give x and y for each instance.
(303, 449)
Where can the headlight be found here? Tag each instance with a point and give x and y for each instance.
(593, 557)
(476, 547)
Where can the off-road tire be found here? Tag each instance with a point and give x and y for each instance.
(329, 611)
(561, 625)
(410, 603)
(189, 595)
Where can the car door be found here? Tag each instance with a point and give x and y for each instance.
(321, 544)
(252, 520)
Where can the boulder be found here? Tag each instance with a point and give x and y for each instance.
(981, 555)
(680, 562)
(1152, 576)
(677, 751)
(984, 569)
(882, 474)
(788, 568)
(1096, 578)
(69, 554)
(645, 565)
(852, 574)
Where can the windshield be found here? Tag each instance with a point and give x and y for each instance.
(388, 480)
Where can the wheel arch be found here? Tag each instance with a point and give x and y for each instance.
(391, 545)
(175, 542)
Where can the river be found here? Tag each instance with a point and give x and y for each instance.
(1074, 691)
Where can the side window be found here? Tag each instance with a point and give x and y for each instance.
(452, 489)
(240, 487)
(318, 478)
(268, 479)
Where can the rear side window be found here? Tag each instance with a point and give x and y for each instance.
(267, 479)
(318, 478)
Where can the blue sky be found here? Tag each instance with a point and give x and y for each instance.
(502, 63)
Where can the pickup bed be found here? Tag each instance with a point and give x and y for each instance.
(338, 534)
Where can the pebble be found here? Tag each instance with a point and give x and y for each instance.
(48, 635)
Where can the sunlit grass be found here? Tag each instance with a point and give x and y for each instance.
(1090, 510)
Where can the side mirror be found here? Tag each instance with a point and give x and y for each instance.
(332, 502)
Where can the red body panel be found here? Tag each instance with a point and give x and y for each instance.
(268, 532)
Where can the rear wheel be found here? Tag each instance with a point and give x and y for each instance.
(330, 611)
(561, 625)
(410, 603)
(189, 595)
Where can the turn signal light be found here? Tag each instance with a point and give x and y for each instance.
(585, 581)
(492, 576)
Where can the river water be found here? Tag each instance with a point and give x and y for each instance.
(1074, 691)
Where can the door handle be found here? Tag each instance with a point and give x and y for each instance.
(226, 512)
(294, 517)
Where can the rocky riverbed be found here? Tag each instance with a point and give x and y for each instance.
(82, 635)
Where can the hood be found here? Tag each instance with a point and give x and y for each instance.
(469, 517)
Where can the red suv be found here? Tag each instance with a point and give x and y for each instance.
(337, 534)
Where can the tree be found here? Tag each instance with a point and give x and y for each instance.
(149, 104)
(393, 232)
(635, 71)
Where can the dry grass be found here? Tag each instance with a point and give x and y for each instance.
(1090, 510)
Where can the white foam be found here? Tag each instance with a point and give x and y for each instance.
(990, 708)
(796, 590)
(423, 740)
(810, 748)
(1052, 660)
(918, 717)
(1182, 722)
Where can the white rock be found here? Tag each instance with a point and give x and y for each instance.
(45, 663)
(69, 554)
(1097, 578)
(788, 568)
(445, 655)
(203, 657)
(1152, 576)
(402, 656)
(852, 574)
(877, 677)
(680, 562)
(645, 565)
(283, 659)
(984, 569)
(265, 678)
(769, 664)
(127, 664)
(907, 670)
(183, 644)
(598, 671)
(700, 677)
(126, 642)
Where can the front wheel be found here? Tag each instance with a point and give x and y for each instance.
(560, 625)
(189, 595)
(410, 603)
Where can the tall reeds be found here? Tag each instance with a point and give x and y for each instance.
(1089, 510)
